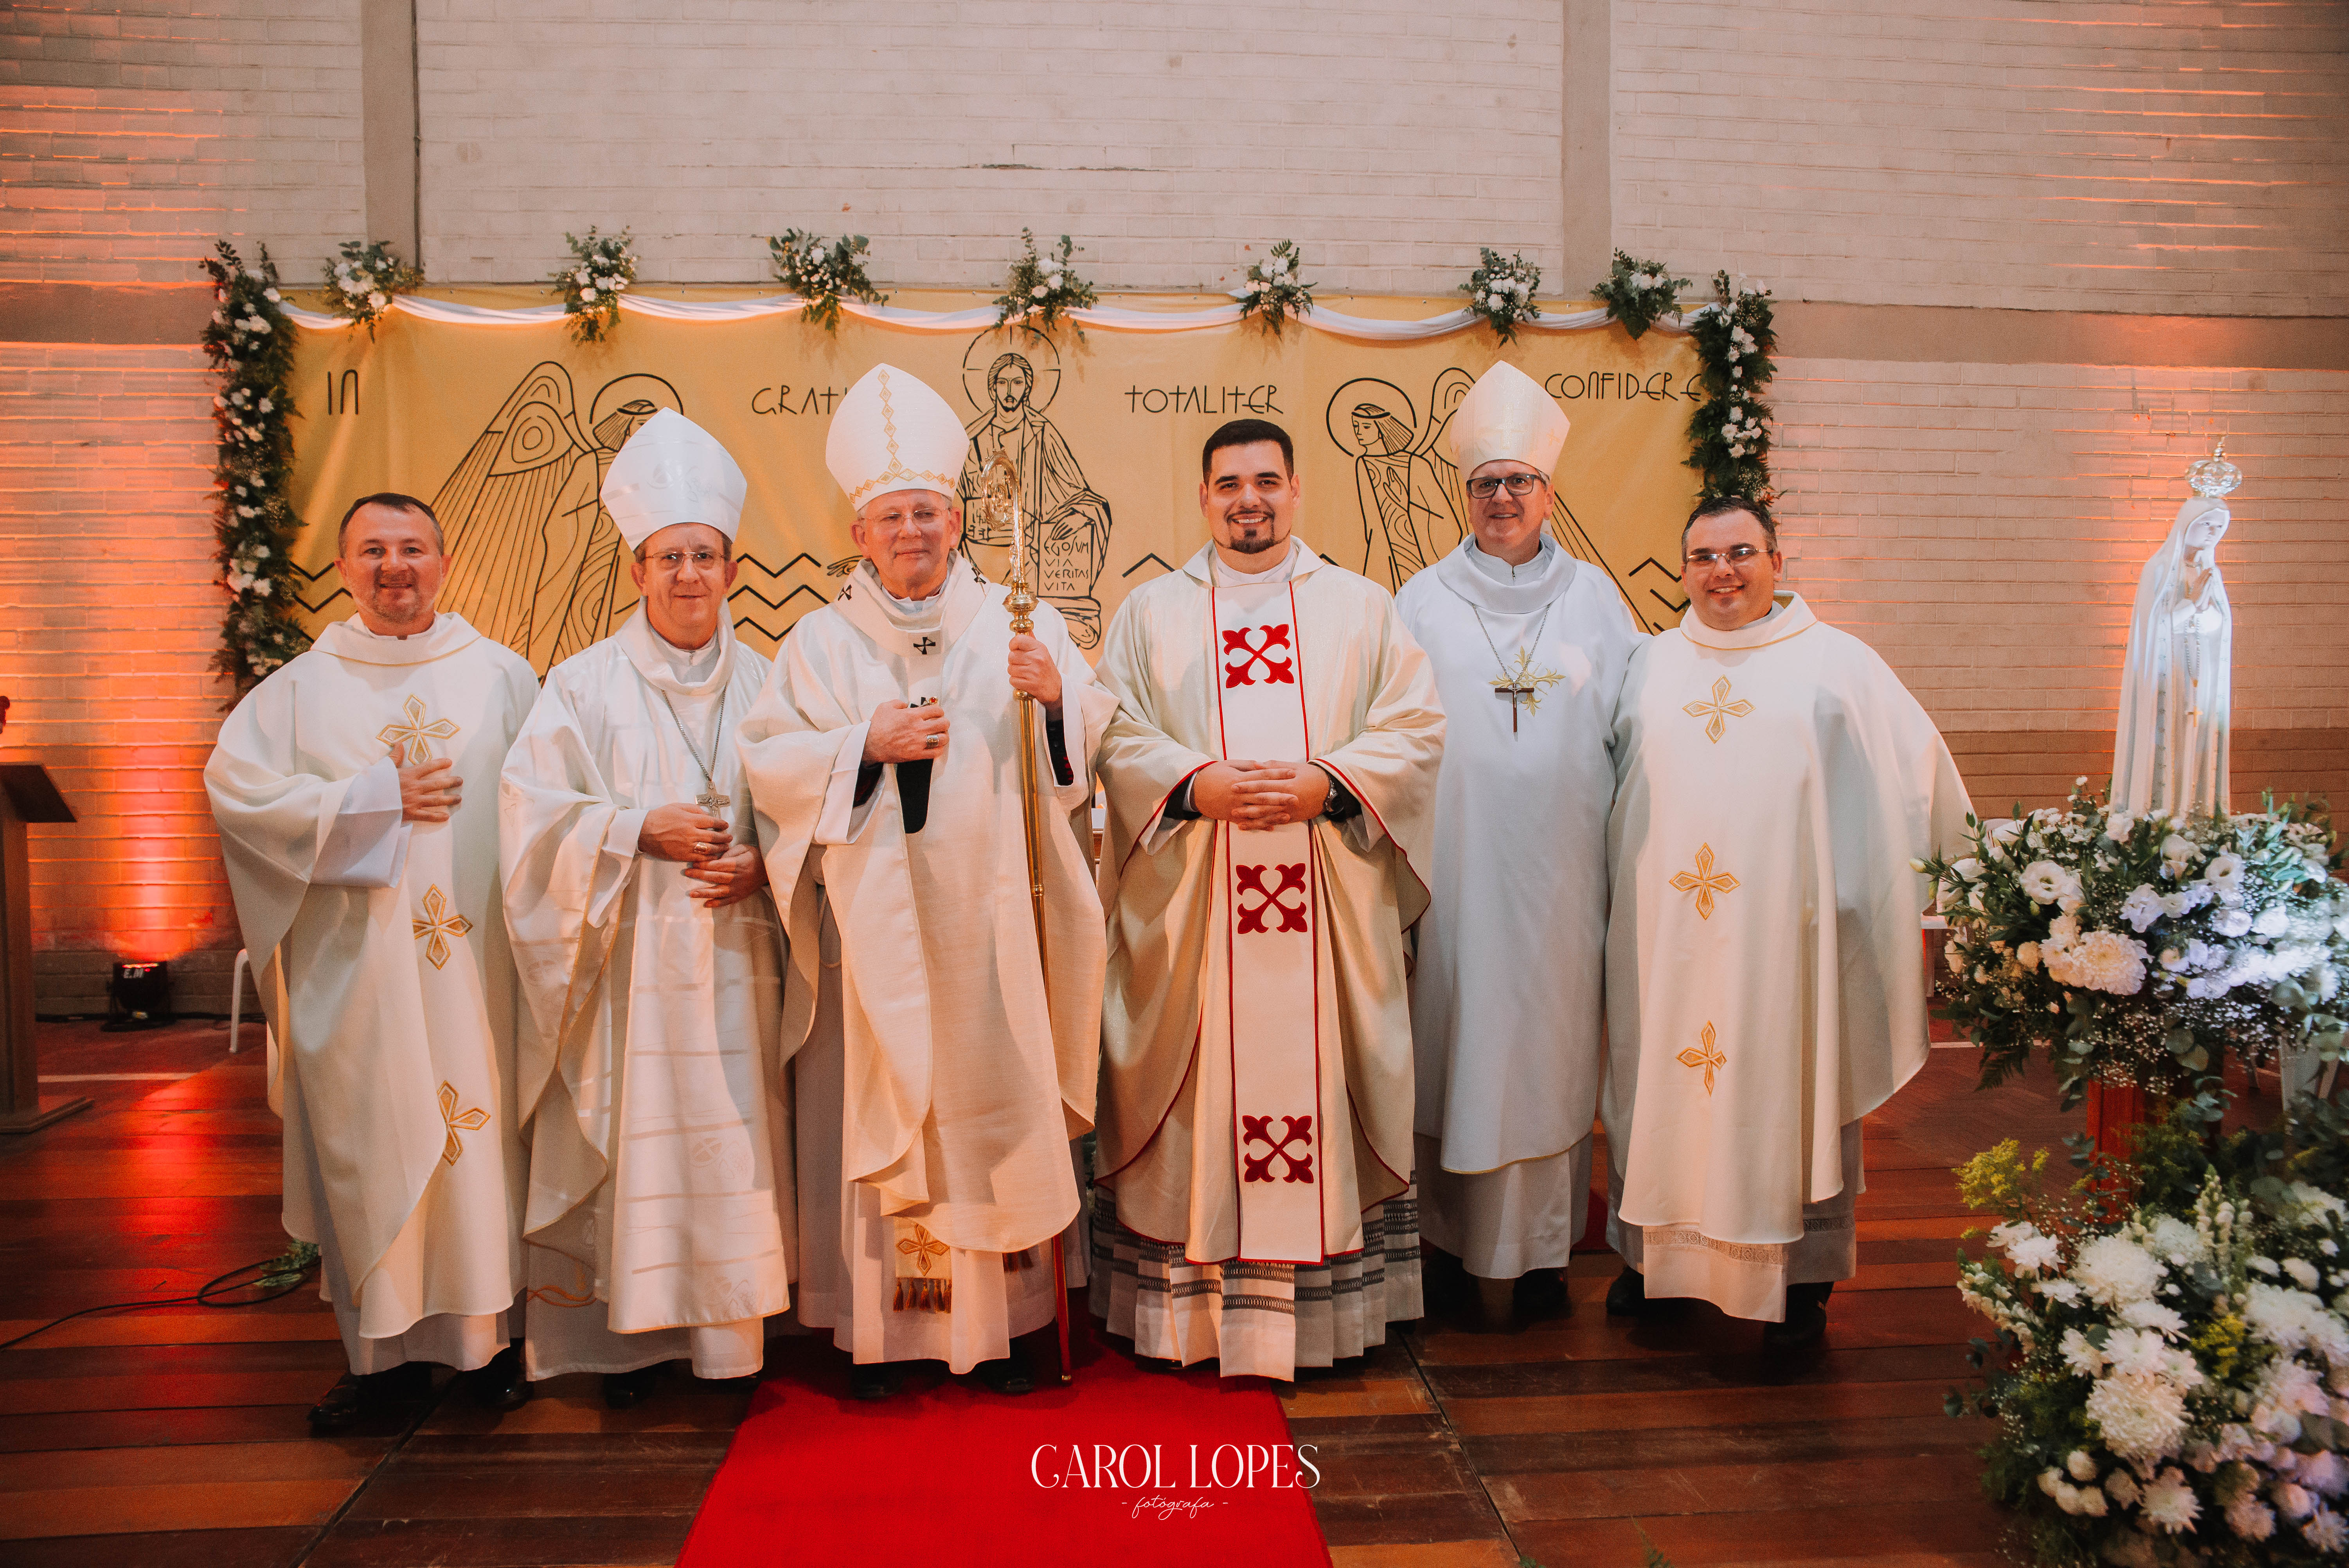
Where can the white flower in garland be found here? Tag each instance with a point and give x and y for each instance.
(1276, 289)
(602, 267)
(1042, 288)
(1501, 292)
(361, 284)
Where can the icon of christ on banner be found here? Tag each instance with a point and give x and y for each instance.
(1067, 521)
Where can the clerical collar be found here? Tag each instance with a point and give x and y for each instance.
(350, 639)
(1788, 617)
(1500, 570)
(685, 672)
(1478, 578)
(691, 666)
(1226, 577)
(915, 614)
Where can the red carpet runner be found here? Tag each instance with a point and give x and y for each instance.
(1125, 1468)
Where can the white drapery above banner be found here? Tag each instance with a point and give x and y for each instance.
(1111, 318)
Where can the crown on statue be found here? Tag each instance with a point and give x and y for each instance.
(2214, 476)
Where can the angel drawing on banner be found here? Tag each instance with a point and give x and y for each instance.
(534, 560)
(1402, 481)
(1067, 520)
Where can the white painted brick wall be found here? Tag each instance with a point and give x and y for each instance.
(1983, 527)
(1390, 139)
(133, 133)
(2167, 156)
(109, 614)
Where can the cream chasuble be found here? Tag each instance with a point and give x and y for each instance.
(660, 1178)
(1764, 976)
(1256, 1036)
(383, 960)
(940, 1079)
(1507, 989)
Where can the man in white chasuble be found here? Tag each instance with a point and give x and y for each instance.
(942, 1064)
(1271, 782)
(356, 798)
(660, 1195)
(1774, 785)
(1529, 647)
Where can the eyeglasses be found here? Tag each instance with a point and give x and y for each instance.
(669, 563)
(1738, 559)
(920, 517)
(1490, 485)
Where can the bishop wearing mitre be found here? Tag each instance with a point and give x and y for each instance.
(1775, 787)
(354, 793)
(1271, 784)
(1529, 646)
(943, 1062)
(661, 1169)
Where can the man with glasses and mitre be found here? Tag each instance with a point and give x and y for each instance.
(660, 1173)
(1776, 785)
(941, 1067)
(1529, 646)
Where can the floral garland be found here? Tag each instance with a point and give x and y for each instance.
(2165, 1372)
(251, 345)
(2145, 949)
(601, 271)
(1637, 292)
(1042, 288)
(361, 285)
(1501, 292)
(1729, 432)
(1275, 290)
(822, 276)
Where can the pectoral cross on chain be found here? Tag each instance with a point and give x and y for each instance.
(712, 800)
(1524, 682)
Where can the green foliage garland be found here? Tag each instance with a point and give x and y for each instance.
(1728, 433)
(1501, 290)
(362, 283)
(822, 275)
(1637, 292)
(602, 268)
(1276, 288)
(1042, 288)
(251, 344)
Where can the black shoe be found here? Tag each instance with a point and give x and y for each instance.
(627, 1390)
(1004, 1376)
(1806, 1319)
(338, 1409)
(499, 1384)
(1628, 1296)
(872, 1380)
(1542, 1294)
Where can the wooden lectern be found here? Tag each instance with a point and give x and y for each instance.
(26, 796)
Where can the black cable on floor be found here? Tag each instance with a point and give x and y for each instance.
(280, 1276)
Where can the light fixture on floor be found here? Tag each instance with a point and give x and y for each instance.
(138, 998)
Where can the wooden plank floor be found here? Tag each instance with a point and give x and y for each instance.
(176, 1438)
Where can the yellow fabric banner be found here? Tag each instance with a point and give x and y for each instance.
(508, 429)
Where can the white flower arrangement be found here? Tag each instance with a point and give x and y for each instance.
(250, 341)
(602, 268)
(2171, 1375)
(1276, 287)
(2145, 950)
(1728, 433)
(824, 275)
(1043, 288)
(363, 281)
(1501, 290)
(1637, 292)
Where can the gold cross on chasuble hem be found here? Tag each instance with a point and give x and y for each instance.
(471, 1119)
(1707, 1056)
(1704, 882)
(919, 1289)
(1718, 710)
(440, 923)
(413, 740)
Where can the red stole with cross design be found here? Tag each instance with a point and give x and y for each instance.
(1265, 958)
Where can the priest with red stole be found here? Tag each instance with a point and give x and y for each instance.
(1271, 783)
(1776, 786)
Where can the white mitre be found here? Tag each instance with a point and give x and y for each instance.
(671, 471)
(893, 433)
(1507, 415)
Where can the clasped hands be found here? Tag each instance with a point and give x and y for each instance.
(1254, 796)
(728, 873)
(896, 733)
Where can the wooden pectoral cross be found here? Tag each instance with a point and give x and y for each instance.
(1524, 683)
